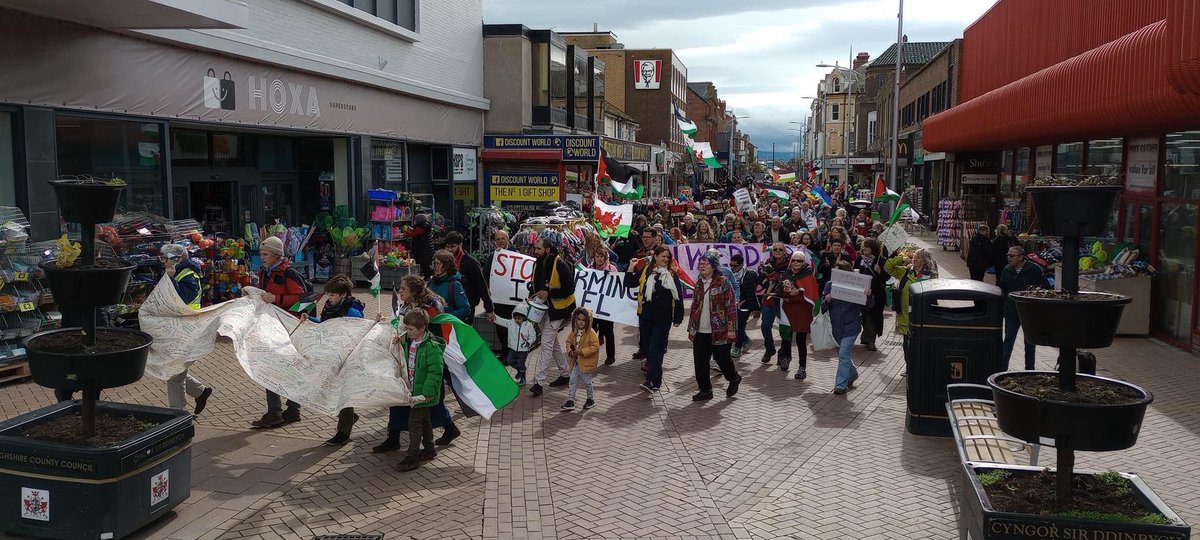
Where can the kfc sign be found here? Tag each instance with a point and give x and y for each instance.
(647, 74)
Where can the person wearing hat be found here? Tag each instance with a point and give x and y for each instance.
(712, 326)
(185, 273)
(422, 244)
(284, 288)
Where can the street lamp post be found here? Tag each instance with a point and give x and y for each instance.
(896, 96)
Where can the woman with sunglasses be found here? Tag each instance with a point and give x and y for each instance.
(800, 294)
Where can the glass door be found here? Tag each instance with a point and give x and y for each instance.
(1175, 286)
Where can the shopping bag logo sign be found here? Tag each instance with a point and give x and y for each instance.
(218, 91)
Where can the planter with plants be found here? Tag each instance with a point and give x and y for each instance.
(1064, 409)
(87, 468)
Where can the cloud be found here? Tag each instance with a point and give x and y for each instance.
(761, 55)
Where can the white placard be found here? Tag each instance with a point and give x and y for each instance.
(744, 203)
(893, 238)
(1141, 163)
(848, 294)
(850, 286)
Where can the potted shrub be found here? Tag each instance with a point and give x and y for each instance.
(1064, 409)
(126, 464)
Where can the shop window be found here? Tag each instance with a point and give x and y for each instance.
(541, 74)
(558, 77)
(1174, 289)
(233, 150)
(189, 148)
(835, 112)
(1181, 175)
(387, 164)
(8, 179)
(1023, 169)
(114, 149)
(1006, 158)
(275, 154)
(1104, 157)
(1068, 160)
(441, 163)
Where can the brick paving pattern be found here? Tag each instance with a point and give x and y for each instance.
(784, 459)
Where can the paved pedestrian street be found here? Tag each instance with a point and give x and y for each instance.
(785, 458)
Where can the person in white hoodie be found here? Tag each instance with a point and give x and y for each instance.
(522, 334)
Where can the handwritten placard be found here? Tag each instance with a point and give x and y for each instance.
(893, 238)
(850, 286)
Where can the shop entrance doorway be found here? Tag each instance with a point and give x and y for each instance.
(212, 204)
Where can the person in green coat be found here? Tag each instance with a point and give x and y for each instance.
(908, 271)
(422, 352)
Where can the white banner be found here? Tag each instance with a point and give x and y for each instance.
(893, 238)
(744, 202)
(324, 367)
(602, 292)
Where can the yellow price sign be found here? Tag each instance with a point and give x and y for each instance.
(21, 276)
(28, 306)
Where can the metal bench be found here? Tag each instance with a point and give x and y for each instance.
(977, 433)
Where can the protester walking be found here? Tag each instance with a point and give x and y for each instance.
(521, 335)
(1003, 240)
(747, 283)
(447, 283)
(660, 305)
(870, 263)
(712, 327)
(908, 271)
(473, 280)
(770, 275)
(979, 253)
(554, 284)
(186, 275)
(340, 302)
(846, 321)
(1018, 275)
(284, 287)
(583, 354)
(422, 353)
(800, 294)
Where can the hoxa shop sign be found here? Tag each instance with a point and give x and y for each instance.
(573, 147)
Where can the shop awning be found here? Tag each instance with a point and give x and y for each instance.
(1144, 83)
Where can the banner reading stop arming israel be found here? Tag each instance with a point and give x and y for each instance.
(602, 292)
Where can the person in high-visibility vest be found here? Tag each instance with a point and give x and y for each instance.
(186, 274)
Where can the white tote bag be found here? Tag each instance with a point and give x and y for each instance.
(821, 333)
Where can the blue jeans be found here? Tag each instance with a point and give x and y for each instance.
(769, 314)
(1012, 323)
(742, 339)
(654, 344)
(846, 368)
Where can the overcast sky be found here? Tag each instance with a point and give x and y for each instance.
(761, 54)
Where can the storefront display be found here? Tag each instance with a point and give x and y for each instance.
(24, 297)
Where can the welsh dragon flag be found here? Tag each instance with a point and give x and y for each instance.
(704, 152)
(612, 220)
(882, 193)
(482, 382)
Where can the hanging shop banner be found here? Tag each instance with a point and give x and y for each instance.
(602, 292)
(66, 65)
(573, 147)
(626, 151)
(523, 187)
(1141, 163)
(465, 167)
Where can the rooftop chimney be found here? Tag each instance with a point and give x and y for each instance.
(595, 27)
(861, 59)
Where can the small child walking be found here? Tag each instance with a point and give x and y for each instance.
(340, 302)
(521, 336)
(583, 354)
(423, 354)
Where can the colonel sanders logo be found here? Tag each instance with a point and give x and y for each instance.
(647, 74)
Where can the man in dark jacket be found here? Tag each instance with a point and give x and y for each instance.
(980, 254)
(747, 283)
(422, 244)
(830, 259)
(553, 284)
(1019, 275)
(474, 282)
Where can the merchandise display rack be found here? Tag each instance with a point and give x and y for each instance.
(949, 225)
(23, 294)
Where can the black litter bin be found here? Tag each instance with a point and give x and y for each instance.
(956, 336)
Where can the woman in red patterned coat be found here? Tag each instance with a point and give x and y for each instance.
(712, 326)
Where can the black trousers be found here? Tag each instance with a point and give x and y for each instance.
(605, 330)
(703, 352)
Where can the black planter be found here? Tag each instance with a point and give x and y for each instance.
(93, 492)
(81, 372)
(1095, 428)
(1070, 324)
(982, 522)
(1073, 210)
(85, 201)
(88, 287)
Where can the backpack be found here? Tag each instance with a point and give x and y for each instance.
(300, 278)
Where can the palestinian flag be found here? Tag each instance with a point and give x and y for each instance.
(704, 152)
(307, 303)
(779, 195)
(612, 220)
(783, 178)
(900, 208)
(607, 167)
(481, 380)
(375, 279)
(688, 127)
(882, 193)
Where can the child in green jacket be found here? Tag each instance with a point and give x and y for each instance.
(422, 352)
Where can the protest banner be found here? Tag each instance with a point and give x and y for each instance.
(715, 208)
(689, 255)
(744, 202)
(893, 238)
(850, 286)
(679, 210)
(602, 292)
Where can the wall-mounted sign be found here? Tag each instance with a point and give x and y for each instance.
(1141, 163)
(516, 186)
(572, 147)
(465, 167)
(647, 74)
(978, 179)
(626, 151)
(464, 192)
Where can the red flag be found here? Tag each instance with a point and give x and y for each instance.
(880, 189)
